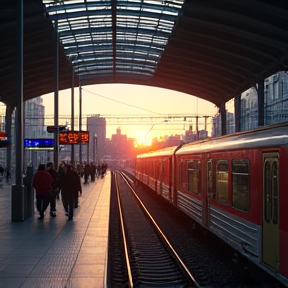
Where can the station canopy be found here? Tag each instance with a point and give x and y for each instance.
(102, 37)
(213, 49)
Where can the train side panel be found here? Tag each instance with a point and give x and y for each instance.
(230, 201)
(241, 229)
(236, 187)
(155, 170)
(235, 201)
(283, 212)
(188, 185)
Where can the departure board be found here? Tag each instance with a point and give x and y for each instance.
(39, 144)
(73, 137)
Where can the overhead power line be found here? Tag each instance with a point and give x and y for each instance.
(121, 102)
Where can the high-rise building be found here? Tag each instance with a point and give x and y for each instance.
(96, 126)
(275, 106)
(34, 118)
(34, 127)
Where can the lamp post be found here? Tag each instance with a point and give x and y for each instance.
(95, 147)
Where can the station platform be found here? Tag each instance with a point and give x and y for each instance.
(54, 252)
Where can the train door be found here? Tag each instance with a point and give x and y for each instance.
(208, 190)
(270, 233)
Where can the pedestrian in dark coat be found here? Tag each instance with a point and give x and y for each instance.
(70, 186)
(55, 189)
(42, 183)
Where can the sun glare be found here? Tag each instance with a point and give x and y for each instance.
(141, 139)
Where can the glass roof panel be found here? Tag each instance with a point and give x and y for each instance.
(126, 37)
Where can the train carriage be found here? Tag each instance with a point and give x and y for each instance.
(155, 170)
(234, 186)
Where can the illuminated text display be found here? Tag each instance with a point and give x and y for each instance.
(73, 137)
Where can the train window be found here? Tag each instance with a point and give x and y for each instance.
(210, 179)
(182, 175)
(222, 181)
(241, 184)
(157, 166)
(161, 172)
(268, 192)
(271, 190)
(194, 176)
(152, 169)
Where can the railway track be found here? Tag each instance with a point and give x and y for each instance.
(211, 261)
(143, 256)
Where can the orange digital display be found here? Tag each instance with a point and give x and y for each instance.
(84, 137)
(73, 137)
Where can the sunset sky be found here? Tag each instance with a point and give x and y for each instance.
(131, 100)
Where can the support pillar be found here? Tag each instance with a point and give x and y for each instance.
(8, 125)
(72, 116)
(56, 96)
(222, 109)
(18, 189)
(197, 127)
(80, 121)
(205, 123)
(237, 108)
(261, 120)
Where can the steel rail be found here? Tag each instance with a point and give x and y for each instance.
(174, 254)
(130, 280)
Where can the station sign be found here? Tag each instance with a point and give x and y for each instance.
(73, 137)
(52, 129)
(39, 144)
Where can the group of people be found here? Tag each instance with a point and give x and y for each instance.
(92, 171)
(7, 173)
(48, 183)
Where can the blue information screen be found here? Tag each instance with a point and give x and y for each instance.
(39, 144)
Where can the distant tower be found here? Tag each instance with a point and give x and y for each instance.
(97, 126)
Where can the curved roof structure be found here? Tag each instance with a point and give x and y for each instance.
(213, 49)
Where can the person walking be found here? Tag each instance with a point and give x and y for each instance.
(87, 172)
(42, 183)
(55, 189)
(1, 170)
(8, 175)
(70, 186)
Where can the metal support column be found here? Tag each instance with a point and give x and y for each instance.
(261, 120)
(237, 108)
(72, 116)
(205, 123)
(18, 188)
(8, 125)
(80, 122)
(24, 129)
(197, 127)
(56, 95)
(222, 109)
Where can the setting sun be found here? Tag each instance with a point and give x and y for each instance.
(140, 138)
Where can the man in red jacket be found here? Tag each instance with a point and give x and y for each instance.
(42, 183)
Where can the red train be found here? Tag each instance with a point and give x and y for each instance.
(236, 186)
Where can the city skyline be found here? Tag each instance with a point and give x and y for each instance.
(132, 100)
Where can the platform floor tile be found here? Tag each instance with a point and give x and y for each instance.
(55, 252)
